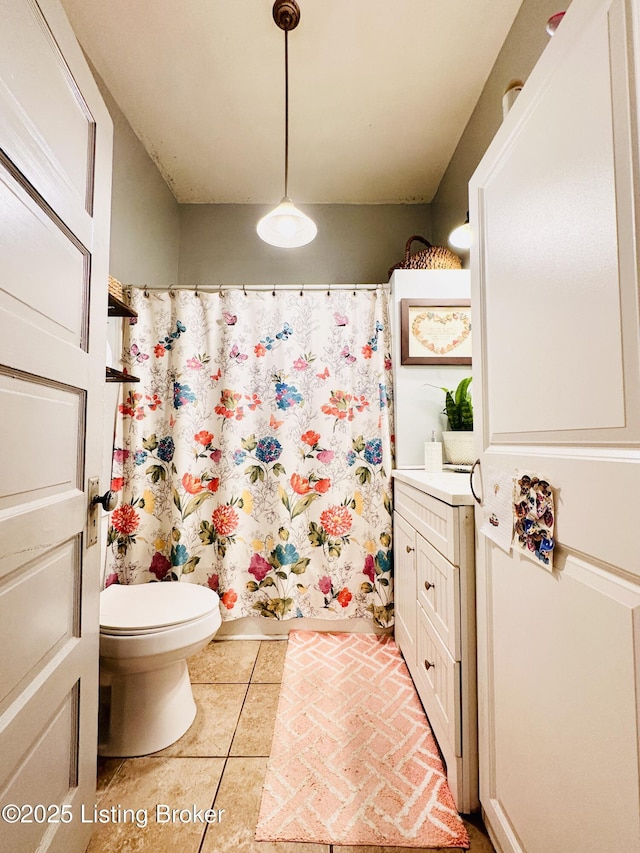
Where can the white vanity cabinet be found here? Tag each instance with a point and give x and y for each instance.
(435, 614)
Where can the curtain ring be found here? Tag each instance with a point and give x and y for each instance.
(195, 292)
(329, 290)
(244, 289)
(146, 291)
(171, 292)
(302, 290)
(273, 292)
(220, 291)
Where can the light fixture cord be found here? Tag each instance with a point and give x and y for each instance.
(286, 113)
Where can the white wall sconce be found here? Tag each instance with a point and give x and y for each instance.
(460, 237)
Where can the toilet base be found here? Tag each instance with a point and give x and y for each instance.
(143, 712)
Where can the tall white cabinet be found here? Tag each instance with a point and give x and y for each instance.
(435, 614)
(556, 361)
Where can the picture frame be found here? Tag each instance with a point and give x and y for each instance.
(435, 331)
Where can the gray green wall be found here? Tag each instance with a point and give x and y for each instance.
(520, 52)
(145, 217)
(355, 244)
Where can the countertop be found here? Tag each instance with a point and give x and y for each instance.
(447, 486)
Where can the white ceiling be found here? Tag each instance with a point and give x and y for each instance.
(380, 92)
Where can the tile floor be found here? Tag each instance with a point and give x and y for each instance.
(219, 763)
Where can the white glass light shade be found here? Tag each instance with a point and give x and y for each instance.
(460, 237)
(286, 226)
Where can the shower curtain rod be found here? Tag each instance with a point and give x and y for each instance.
(218, 288)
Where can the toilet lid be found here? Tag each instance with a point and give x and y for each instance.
(139, 607)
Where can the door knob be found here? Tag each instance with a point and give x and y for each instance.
(428, 585)
(109, 500)
(410, 549)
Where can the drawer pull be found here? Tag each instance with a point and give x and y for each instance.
(428, 585)
(428, 664)
(410, 549)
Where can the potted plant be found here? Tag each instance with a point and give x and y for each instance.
(458, 439)
(458, 406)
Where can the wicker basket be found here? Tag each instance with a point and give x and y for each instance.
(116, 289)
(431, 258)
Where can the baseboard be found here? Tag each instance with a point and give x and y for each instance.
(257, 628)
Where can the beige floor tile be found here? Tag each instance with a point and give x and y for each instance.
(369, 849)
(224, 662)
(255, 727)
(143, 783)
(239, 795)
(478, 836)
(219, 707)
(107, 769)
(478, 839)
(270, 662)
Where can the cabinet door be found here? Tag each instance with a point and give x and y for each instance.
(557, 393)
(404, 565)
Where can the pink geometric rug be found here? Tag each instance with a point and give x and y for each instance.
(353, 759)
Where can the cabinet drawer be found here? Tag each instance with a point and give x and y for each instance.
(440, 684)
(439, 594)
(433, 519)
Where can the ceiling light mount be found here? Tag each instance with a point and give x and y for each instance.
(286, 14)
(286, 226)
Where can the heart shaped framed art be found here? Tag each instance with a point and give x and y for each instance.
(435, 331)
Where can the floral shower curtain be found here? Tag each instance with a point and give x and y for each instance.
(254, 456)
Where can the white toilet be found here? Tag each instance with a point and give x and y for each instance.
(147, 631)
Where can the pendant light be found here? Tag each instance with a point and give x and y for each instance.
(286, 226)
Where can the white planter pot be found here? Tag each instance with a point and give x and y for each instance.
(458, 447)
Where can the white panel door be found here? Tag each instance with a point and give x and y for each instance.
(557, 393)
(55, 186)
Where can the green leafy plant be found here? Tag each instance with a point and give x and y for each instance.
(459, 406)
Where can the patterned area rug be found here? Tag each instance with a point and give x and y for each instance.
(353, 759)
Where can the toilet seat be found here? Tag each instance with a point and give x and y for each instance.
(152, 608)
(155, 630)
